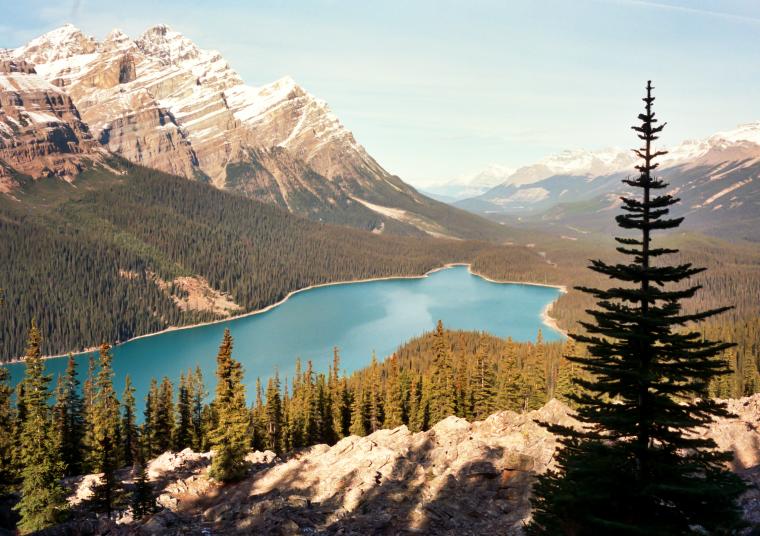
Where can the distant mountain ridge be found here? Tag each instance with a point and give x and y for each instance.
(162, 102)
(716, 178)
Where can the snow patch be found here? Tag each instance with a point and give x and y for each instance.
(724, 191)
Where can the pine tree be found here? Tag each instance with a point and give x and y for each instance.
(257, 425)
(229, 437)
(7, 417)
(274, 415)
(325, 409)
(88, 398)
(375, 413)
(43, 499)
(422, 417)
(18, 426)
(394, 399)
(71, 415)
(532, 379)
(129, 437)
(442, 396)
(143, 501)
(508, 390)
(341, 399)
(149, 422)
(359, 412)
(310, 407)
(106, 433)
(484, 385)
(163, 417)
(183, 436)
(638, 468)
(199, 424)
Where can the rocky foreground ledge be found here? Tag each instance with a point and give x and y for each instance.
(457, 478)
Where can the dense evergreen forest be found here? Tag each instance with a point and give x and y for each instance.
(82, 260)
(732, 279)
(88, 428)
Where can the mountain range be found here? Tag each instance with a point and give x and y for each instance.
(717, 180)
(68, 101)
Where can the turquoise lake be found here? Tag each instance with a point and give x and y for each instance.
(356, 317)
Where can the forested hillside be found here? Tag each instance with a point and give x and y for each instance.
(100, 260)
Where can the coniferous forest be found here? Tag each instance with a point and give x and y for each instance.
(661, 328)
(86, 264)
(75, 424)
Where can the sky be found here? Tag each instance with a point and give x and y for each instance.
(439, 90)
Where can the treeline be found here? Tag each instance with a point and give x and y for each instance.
(732, 278)
(88, 428)
(88, 254)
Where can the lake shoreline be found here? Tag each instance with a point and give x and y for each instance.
(546, 319)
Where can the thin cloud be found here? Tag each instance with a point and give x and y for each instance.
(692, 10)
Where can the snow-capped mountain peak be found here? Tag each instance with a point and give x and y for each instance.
(168, 46)
(57, 44)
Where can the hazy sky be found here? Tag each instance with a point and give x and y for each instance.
(440, 89)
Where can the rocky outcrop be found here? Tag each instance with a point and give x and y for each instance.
(457, 478)
(41, 131)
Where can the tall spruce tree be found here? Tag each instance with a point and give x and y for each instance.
(7, 417)
(198, 397)
(394, 397)
(183, 434)
(106, 433)
(70, 417)
(484, 385)
(229, 438)
(442, 394)
(130, 442)
(163, 417)
(148, 427)
(43, 499)
(143, 501)
(637, 467)
(273, 417)
(88, 397)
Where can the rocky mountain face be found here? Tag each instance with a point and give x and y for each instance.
(715, 178)
(41, 131)
(457, 478)
(162, 102)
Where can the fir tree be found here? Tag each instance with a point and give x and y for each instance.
(638, 468)
(359, 415)
(274, 415)
(257, 424)
(442, 395)
(198, 423)
(43, 499)
(375, 410)
(163, 417)
(149, 421)
(532, 379)
(106, 433)
(143, 501)
(129, 438)
(484, 388)
(229, 437)
(341, 399)
(183, 434)
(394, 400)
(7, 417)
(71, 413)
(88, 397)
